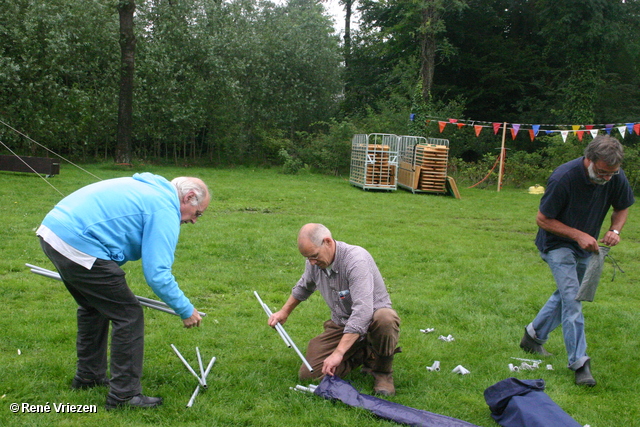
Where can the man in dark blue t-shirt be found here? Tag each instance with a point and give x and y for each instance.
(578, 196)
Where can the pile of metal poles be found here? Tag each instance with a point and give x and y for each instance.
(146, 302)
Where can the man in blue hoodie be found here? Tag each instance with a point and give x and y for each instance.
(87, 237)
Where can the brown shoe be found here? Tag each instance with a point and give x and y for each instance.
(382, 376)
(383, 384)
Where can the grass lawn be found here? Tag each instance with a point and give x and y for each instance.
(465, 267)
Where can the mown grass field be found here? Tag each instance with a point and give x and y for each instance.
(465, 267)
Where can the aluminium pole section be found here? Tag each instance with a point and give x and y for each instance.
(285, 335)
(197, 390)
(147, 302)
(204, 379)
(188, 366)
(267, 310)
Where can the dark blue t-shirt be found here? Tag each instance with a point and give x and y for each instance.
(572, 199)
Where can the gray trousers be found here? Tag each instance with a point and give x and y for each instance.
(381, 340)
(104, 297)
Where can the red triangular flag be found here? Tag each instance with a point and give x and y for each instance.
(636, 128)
(453, 120)
(496, 127)
(589, 127)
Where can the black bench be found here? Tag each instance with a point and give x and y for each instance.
(44, 165)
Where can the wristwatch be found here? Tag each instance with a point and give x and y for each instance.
(615, 231)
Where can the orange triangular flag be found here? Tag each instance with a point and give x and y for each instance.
(460, 125)
(478, 128)
(579, 133)
(442, 125)
(532, 134)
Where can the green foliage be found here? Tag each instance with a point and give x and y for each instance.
(631, 166)
(524, 169)
(211, 77)
(291, 165)
(558, 152)
(466, 267)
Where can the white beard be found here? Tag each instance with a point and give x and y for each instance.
(594, 177)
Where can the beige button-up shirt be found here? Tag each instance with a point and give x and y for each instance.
(352, 287)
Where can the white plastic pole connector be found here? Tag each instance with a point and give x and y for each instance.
(305, 389)
(525, 366)
(460, 370)
(188, 366)
(528, 360)
(513, 368)
(435, 367)
(427, 330)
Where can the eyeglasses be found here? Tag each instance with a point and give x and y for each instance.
(198, 214)
(315, 256)
(600, 172)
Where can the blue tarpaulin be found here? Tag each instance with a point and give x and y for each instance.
(333, 388)
(523, 403)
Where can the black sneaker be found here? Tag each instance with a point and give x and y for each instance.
(137, 401)
(83, 384)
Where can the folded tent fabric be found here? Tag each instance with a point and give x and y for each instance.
(333, 388)
(523, 403)
(591, 278)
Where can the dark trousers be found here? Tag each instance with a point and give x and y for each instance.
(104, 297)
(381, 341)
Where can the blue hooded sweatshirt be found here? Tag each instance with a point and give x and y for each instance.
(127, 219)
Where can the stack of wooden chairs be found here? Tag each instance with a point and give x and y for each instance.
(427, 169)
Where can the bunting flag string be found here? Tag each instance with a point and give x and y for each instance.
(534, 129)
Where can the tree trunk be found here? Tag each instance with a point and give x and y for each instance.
(126, 9)
(427, 52)
(348, 5)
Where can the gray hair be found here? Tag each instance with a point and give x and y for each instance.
(605, 148)
(316, 233)
(184, 184)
